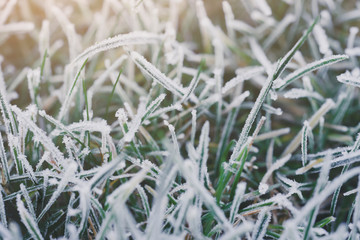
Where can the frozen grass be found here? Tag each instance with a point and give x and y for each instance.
(180, 119)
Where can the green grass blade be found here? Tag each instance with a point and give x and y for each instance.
(310, 68)
(112, 94)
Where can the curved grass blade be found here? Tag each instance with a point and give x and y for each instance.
(158, 76)
(133, 38)
(310, 68)
(265, 90)
(28, 220)
(261, 225)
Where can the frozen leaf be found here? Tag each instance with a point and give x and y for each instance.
(133, 38)
(311, 67)
(352, 78)
(28, 220)
(158, 76)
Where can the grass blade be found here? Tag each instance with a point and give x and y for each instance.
(310, 68)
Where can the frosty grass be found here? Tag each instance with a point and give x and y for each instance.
(180, 119)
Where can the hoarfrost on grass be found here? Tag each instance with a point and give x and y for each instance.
(140, 162)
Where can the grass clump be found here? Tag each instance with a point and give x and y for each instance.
(179, 119)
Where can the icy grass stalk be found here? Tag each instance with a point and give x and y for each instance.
(116, 201)
(194, 82)
(296, 93)
(28, 200)
(346, 161)
(153, 106)
(342, 160)
(242, 76)
(280, 28)
(272, 134)
(356, 214)
(251, 117)
(260, 55)
(5, 13)
(69, 30)
(229, 17)
(157, 213)
(307, 69)
(5, 107)
(19, 27)
(314, 201)
(144, 200)
(313, 121)
(105, 75)
(2, 210)
(265, 90)
(263, 187)
(4, 163)
(188, 172)
(352, 79)
(322, 40)
(193, 126)
(240, 191)
(226, 173)
(105, 171)
(320, 184)
(65, 178)
(59, 125)
(238, 231)
(142, 114)
(356, 144)
(40, 136)
(187, 169)
(158, 76)
(261, 224)
(263, 6)
(203, 152)
(236, 102)
(204, 23)
(28, 220)
(304, 139)
(133, 38)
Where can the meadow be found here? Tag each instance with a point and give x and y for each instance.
(180, 119)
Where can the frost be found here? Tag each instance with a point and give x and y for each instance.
(322, 40)
(296, 93)
(263, 6)
(237, 101)
(19, 27)
(352, 37)
(263, 187)
(2, 210)
(28, 220)
(158, 76)
(278, 164)
(132, 38)
(242, 76)
(304, 142)
(286, 21)
(309, 68)
(4, 14)
(352, 78)
(261, 225)
(313, 121)
(260, 55)
(353, 51)
(69, 30)
(210, 93)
